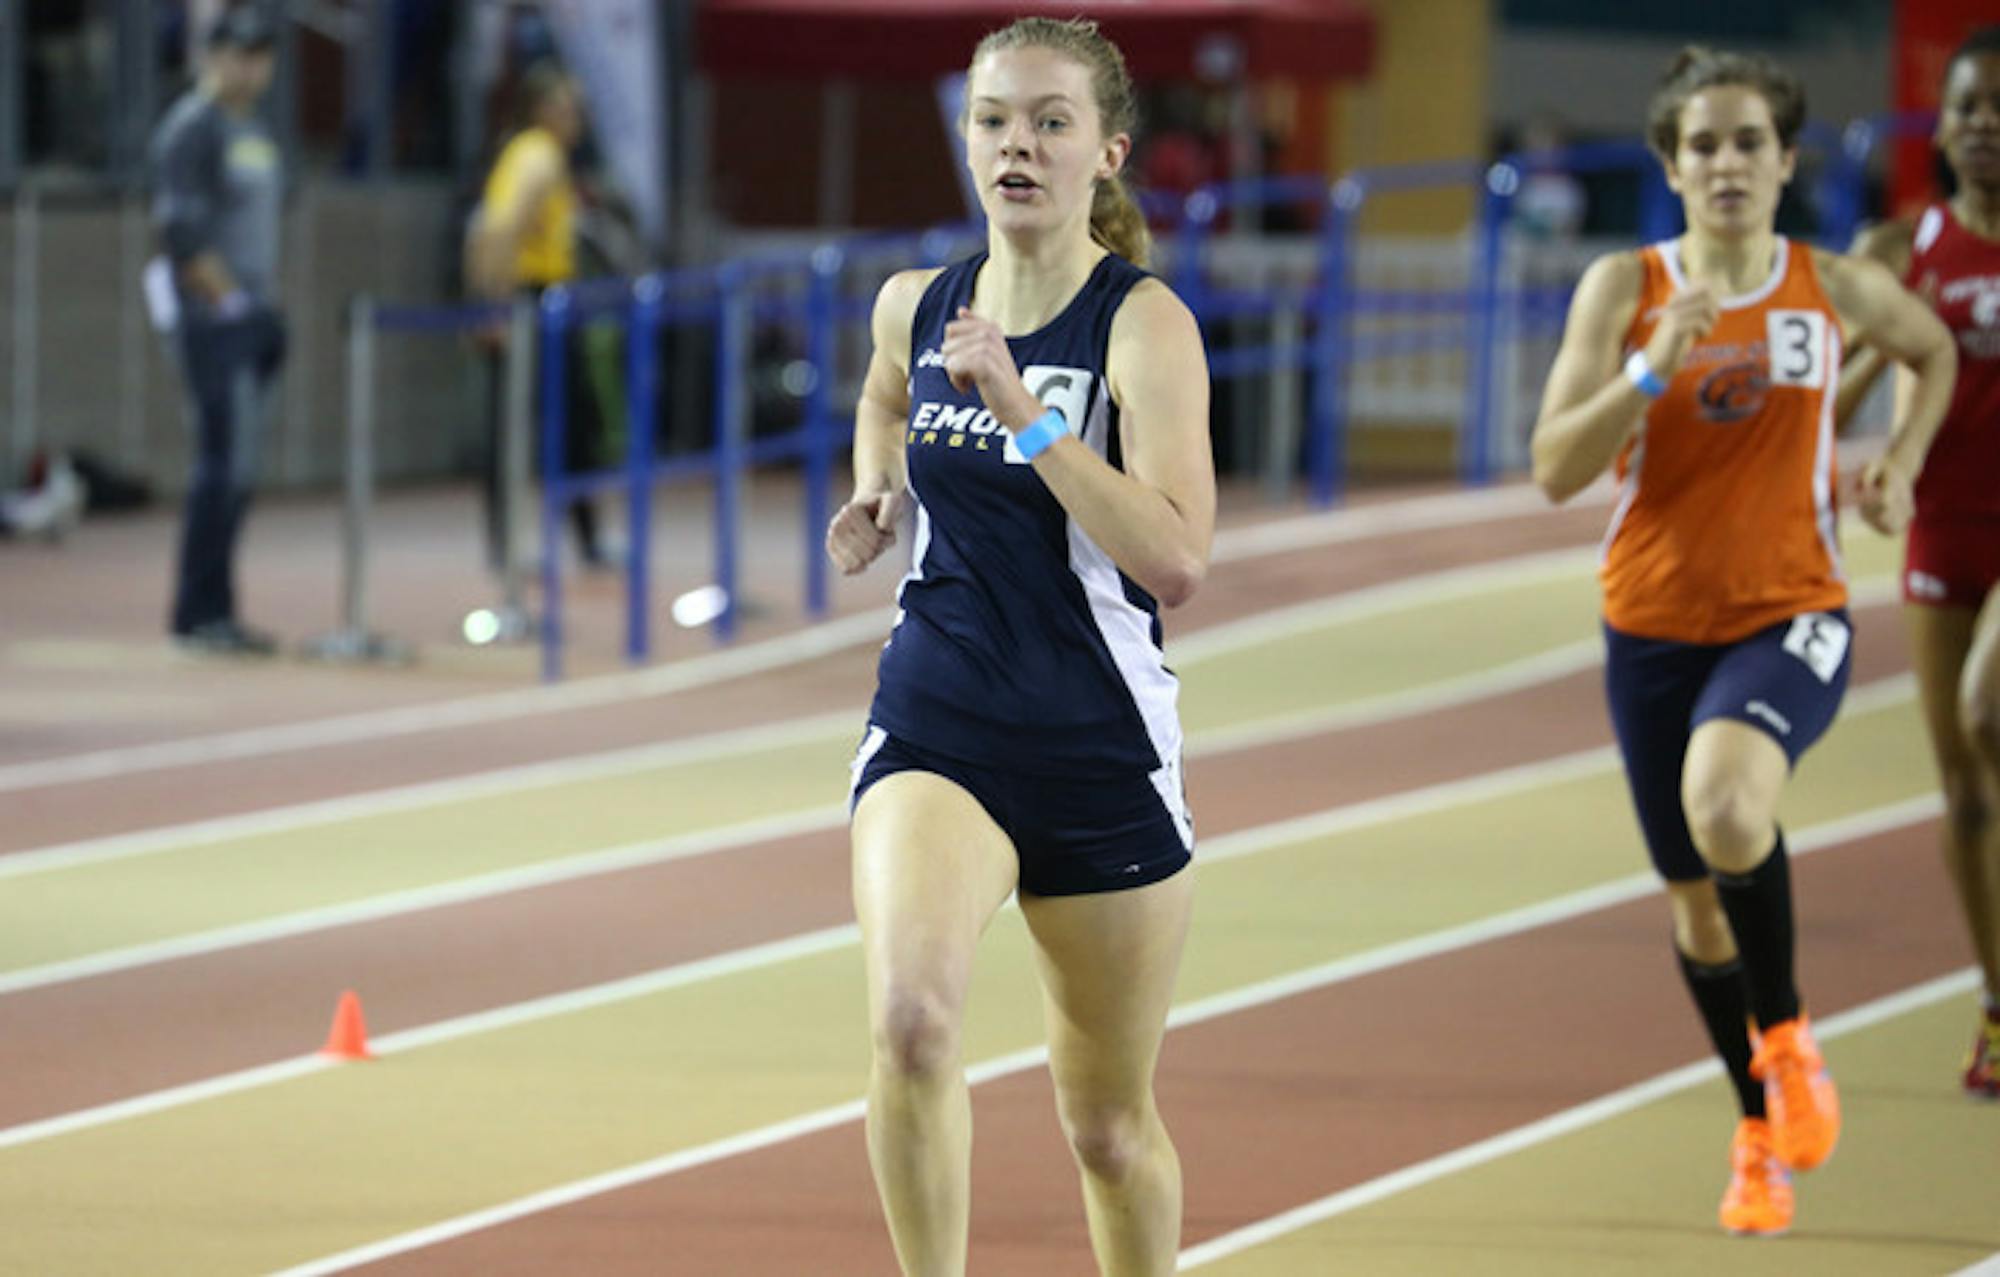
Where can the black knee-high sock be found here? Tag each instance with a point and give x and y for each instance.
(1720, 996)
(1759, 907)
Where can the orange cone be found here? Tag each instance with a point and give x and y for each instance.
(348, 1039)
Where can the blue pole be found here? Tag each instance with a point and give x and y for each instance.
(1327, 442)
(1659, 207)
(823, 320)
(731, 343)
(642, 394)
(1197, 219)
(556, 316)
(1483, 331)
(1844, 192)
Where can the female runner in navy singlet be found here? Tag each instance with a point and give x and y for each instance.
(1043, 408)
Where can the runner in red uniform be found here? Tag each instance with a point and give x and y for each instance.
(1951, 565)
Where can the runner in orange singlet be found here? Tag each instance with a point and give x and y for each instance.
(1704, 369)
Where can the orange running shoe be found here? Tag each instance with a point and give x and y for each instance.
(1798, 1093)
(1982, 1064)
(1758, 1202)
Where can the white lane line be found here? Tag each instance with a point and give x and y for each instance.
(763, 1137)
(1528, 671)
(686, 973)
(454, 892)
(1494, 784)
(1341, 608)
(1521, 1138)
(1987, 1267)
(507, 780)
(1446, 693)
(471, 711)
(1387, 518)
(1459, 690)
(1246, 842)
(1429, 589)
(1415, 514)
(1263, 993)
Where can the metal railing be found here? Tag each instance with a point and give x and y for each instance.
(1304, 319)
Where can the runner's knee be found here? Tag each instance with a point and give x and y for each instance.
(916, 1034)
(1968, 808)
(1731, 825)
(1979, 722)
(1109, 1142)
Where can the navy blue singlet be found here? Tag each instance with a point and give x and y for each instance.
(1019, 643)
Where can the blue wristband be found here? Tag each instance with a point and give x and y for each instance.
(1639, 371)
(1043, 431)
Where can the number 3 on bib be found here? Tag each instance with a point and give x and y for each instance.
(1820, 641)
(1796, 340)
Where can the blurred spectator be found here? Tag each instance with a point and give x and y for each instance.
(218, 189)
(1551, 203)
(50, 508)
(1180, 152)
(523, 240)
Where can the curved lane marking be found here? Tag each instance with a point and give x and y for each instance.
(1556, 1125)
(1497, 926)
(1452, 509)
(1345, 818)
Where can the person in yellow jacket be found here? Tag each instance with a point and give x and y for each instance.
(523, 240)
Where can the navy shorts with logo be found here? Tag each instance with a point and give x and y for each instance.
(1074, 834)
(1786, 681)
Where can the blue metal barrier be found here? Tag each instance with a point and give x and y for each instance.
(732, 342)
(642, 374)
(1475, 462)
(1333, 345)
(823, 310)
(555, 315)
(808, 289)
(1844, 193)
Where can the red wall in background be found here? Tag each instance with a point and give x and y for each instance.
(1926, 33)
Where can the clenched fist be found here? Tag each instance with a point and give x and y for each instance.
(1887, 500)
(863, 528)
(1686, 318)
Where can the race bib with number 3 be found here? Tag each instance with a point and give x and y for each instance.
(1797, 342)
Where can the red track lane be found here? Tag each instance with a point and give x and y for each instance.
(92, 1041)
(1277, 1106)
(88, 809)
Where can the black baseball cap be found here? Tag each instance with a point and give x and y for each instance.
(243, 27)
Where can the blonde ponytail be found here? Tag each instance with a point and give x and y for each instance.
(1117, 223)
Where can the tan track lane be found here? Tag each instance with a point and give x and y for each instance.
(843, 680)
(1252, 1095)
(1282, 1104)
(322, 1149)
(1633, 1196)
(88, 1042)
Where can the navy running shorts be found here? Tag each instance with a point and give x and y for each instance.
(1786, 681)
(1074, 835)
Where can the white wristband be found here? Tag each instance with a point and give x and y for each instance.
(1639, 371)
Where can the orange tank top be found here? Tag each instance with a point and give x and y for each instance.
(1726, 521)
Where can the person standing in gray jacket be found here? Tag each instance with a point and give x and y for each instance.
(218, 190)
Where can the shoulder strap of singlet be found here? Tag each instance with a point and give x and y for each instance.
(1655, 285)
(943, 296)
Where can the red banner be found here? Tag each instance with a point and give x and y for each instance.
(1926, 33)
